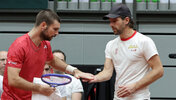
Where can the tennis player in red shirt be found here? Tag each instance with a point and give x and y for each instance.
(27, 56)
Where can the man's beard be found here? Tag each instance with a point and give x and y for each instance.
(44, 36)
(119, 31)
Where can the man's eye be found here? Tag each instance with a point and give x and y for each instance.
(46, 69)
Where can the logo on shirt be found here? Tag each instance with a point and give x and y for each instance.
(132, 47)
(45, 46)
(10, 62)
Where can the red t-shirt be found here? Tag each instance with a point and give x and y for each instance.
(24, 54)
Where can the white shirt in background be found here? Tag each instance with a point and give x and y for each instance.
(60, 92)
(74, 87)
(1, 83)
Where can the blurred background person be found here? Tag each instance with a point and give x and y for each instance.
(47, 69)
(3, 57)
(74, 89)
(36, 96)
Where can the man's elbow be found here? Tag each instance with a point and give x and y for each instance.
(161, 72)
(108, 77)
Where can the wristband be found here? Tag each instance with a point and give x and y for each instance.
(70, 69)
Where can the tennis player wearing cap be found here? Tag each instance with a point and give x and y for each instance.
(132, 54)
(27, 56)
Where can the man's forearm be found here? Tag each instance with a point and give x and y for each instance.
(16, 81)
(149, 78)
(24, 85)
(103, 76)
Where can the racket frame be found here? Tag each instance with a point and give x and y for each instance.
(52, 84)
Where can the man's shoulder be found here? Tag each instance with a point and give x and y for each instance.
(19, 44)
(142, 37)
(21, 40)
(113, 41)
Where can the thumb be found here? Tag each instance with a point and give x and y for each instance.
(77, 76)
(120, 86)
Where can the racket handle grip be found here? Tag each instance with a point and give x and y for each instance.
(70, 69)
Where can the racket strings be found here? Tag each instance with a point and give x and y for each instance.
(55, 79)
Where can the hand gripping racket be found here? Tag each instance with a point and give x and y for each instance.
(55, 80)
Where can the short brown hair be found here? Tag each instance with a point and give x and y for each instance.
(131, 22)
(47, 16)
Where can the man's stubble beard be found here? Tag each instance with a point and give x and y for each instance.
(43, 35)
(120, 30)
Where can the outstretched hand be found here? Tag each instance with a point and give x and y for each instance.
(84, 76)
(94, 80)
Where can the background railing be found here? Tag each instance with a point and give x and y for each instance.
(107, 4)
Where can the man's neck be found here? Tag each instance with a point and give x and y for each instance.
(34, 35)
(127, 33)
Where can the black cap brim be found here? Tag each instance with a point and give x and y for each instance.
(110, 16)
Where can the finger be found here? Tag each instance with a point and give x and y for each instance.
(92, 82)
(91, 75)
(121, 94)
(87, 77)
(121, 91)
(124, 94)
(54, 89)
(84, 80)
(121, 86)
(77, 76)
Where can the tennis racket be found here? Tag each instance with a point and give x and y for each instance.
(55, 80)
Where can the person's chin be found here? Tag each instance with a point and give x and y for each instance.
(49, 39)
(115, 33)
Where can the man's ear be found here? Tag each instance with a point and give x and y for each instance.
(43, 25)
(127, 20)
